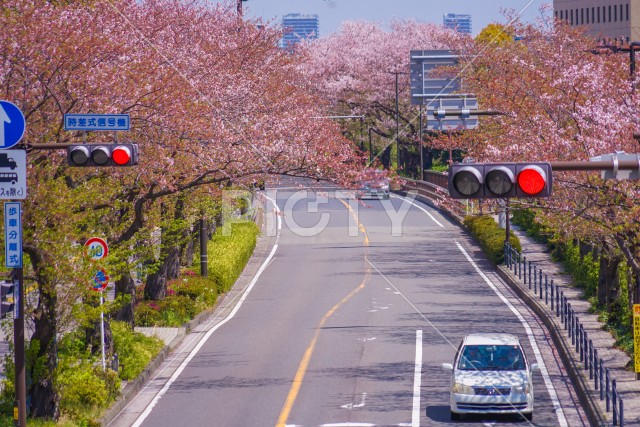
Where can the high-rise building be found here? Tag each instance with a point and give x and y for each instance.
(459, 23)
(604, 19)
(299, 27)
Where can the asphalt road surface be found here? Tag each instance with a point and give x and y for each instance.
(347, 323)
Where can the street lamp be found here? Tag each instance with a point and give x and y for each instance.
(239, 6)
(397, 73)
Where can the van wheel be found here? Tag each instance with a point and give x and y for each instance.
(455, 416)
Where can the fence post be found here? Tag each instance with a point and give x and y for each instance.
(569, 323)
(557, 301)
(591, 359)
(546, 291)
(524, 274)
(621, 411)
(606, 392)
(519, 266)
(540, 279)
(596, 374)
(552, 295)
(614, 398)
(579, 330)
(601, 380)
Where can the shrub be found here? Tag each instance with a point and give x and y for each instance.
(200, 289)
(526, 220)
(84, 388)
(490, 236)
(229, 254)
(177, 310)
(135, 350)
(147, 314)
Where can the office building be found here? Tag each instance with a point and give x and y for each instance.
(299, 27)
(459, 23)
(604, 19)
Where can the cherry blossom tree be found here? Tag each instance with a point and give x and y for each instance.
(212, 100)
(356, 70)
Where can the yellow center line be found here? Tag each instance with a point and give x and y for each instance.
(304, 363)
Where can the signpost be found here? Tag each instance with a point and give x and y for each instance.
(636, 337)
(100, 282)
(13, 185)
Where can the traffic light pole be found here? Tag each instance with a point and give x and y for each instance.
(20, 405)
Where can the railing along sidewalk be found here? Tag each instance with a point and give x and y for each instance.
(554, 298)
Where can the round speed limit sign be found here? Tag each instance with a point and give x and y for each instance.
(96, 249)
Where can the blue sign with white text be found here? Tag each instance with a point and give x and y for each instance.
(92, 122)
(12, 124)
(13, 234)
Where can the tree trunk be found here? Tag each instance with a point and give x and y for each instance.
(126, 286)
(187, 250)
(608, 280)
(44, 398)
(172, 261)
(156, 285)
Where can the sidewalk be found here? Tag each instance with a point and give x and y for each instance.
(616, 360)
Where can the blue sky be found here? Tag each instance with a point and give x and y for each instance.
(333, 12)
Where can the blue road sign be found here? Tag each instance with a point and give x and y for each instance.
(92, 122)
(12, 124)
(13, 234)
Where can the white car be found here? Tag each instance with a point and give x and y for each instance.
(491, 374)
(376, 186)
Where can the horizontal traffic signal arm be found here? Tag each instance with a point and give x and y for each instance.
(596, 166)
(442, 112)
(68, 147)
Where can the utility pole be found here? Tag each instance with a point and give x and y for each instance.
(239, 6)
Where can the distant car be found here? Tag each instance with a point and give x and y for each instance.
(375, 186)
(491, 374)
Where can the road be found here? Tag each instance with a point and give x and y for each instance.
(347, 323)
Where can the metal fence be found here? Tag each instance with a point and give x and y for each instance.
(543, 288)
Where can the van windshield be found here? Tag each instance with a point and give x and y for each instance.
(491, 358)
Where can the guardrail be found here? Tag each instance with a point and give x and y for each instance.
(554, 298)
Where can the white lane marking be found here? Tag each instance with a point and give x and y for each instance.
(348, 425)
(197, 348)
(350, 406)
(422, 209)
(417, 381)
(543, 368)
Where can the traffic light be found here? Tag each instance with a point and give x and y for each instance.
(6, 294)
(499, 180)
(102, 154)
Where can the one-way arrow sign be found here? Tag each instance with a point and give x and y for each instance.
(12, 125)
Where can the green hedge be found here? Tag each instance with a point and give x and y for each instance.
(490, 236)
(228, 254)
(135, 350)
(191, 293)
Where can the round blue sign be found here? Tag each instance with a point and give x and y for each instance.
(12, 124)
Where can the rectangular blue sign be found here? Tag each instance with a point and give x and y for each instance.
(91, 122)
(13, 234)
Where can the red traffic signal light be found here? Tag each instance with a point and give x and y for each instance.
(102, 155)
(500, 180)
